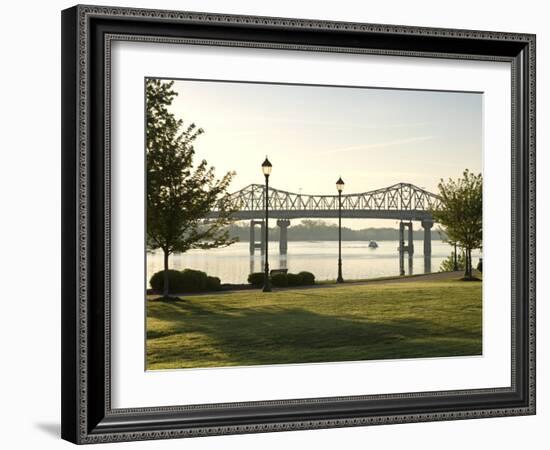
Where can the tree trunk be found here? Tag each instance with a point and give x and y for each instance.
(468, 263)
(166, 287)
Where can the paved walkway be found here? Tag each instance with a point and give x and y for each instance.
(436, 276)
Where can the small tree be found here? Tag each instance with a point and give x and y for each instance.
(448, 264)
(180, 195)
(460, 213)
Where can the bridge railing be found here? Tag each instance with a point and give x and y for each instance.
(402, 196)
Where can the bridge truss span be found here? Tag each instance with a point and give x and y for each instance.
(402, 201)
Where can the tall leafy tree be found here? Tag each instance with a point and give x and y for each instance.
(461, 213)
(180, 194)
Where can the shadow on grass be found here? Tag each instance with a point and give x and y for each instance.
(219, 335)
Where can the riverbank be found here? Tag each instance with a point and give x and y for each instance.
(233, 264)
(355, 322)
(231, 288)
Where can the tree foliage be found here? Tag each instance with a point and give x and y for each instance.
(461, 213)
(448, 264)
(180, 194)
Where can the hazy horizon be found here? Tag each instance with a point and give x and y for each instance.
(371, 137)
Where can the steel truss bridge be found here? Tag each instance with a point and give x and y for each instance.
(402, 201)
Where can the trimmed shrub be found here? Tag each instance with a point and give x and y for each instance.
(176, 281)
(213, 283)
(294, 279)
(279, 279)
(256, 278)
(307, 278)
(188, 280)
(194, 280)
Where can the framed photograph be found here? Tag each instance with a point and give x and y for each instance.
(278, 224)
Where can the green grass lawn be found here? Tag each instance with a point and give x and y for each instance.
(345, 323)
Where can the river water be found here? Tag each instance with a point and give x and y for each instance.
(233, 264)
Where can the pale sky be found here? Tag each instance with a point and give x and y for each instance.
(372, 138)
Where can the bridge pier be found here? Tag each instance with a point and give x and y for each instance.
(283, 225)
(405, 248)
(251, 265)
(253, 245)
(283, 262)
(427, 225)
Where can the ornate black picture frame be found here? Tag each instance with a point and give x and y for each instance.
(87, 34)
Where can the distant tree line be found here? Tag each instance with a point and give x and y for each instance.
(319, 230)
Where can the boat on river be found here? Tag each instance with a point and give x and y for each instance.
(373, 244)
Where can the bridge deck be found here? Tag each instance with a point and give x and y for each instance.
(402, 201)
(418, 215)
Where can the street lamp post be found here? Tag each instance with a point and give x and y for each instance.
(266, 169)
(340, 188)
